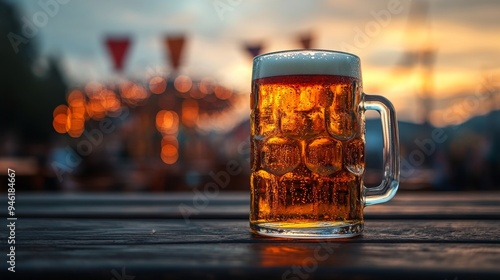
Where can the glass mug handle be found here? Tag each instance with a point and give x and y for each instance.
(390, 183)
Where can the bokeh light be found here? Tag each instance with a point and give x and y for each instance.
(157, 85)
(75, 98)
(169, 154)
(60, 121)
(196, 93)
(167, 122)
(183, 83)
(95, 109)
(189, 112)
(169, 149)
(223, 93)
(76, 127)
(92, 87)
(207, 85)
(170, 140)
(109, 100)
(132, 93)
(189, 104)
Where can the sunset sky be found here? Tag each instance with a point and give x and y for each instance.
(464, 36)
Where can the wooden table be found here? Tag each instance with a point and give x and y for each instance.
(180, 236)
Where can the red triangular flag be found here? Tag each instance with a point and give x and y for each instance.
(254, 50)
(118, 48)
(175, 45)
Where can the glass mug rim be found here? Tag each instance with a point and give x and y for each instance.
(291, 51)
(306, 62)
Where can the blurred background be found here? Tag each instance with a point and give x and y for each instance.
(153, 96)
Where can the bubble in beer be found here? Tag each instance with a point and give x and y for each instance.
(354, 156)
(280, 155)
(324, 155)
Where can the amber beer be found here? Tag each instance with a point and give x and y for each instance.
(307, 147)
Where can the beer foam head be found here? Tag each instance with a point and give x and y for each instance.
(306, 62)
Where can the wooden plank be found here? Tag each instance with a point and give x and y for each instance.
(280, 260)
(420, 198)
(84, 248)
(474, 206)
(182, 211)
(53, 232)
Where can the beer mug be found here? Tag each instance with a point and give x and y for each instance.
(308, 145)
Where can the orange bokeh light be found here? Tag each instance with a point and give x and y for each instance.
(76, 97)
(169, 150)
(157, 85)
(207, 85)
(93, 88)
(169, 154)
(183, 83)
(167, 122)
(196, 93)
(95, 109)
(170, 139)
(223, 93)
(60, 122)
(133, 93)
(189, 112)
(76, 127)
(61, 109)
(109, 100)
